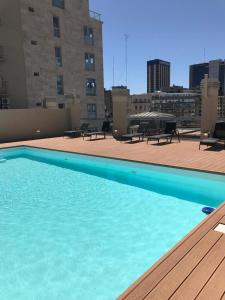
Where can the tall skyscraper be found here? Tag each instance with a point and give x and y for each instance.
(52, 50)
(158, 75)
(214, 68)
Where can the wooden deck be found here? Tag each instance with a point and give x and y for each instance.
(195, 267)
(184, 155)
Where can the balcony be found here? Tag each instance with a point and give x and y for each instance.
(95, 15)
(3, 88)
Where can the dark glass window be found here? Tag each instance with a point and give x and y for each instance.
(89, 62)
(31, 9)
(58, 56)
(56, 26)
(92, 111)
(60, 85)
(90, 87)
(58, 3)
(88, 35)
(61, 105)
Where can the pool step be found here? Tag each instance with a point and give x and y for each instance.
(2, 160)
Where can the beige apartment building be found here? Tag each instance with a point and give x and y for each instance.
(51, 52)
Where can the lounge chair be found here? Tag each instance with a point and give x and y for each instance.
(138, 135)
(106, 126)
(94, 132)
(76, 133)
(73, 133)
(84, 127)
(168, 134)
(217, 137)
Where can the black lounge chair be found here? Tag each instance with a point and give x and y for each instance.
(168, 134)
(94, 132)
(106, 126)
(138, 135)
(217, 137)
(73, 133)
(77, 133)
(84, 127)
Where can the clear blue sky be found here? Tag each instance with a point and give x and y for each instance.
(173, 30)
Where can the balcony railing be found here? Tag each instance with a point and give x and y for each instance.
(3, 88)
(4, 103)
(95, 15)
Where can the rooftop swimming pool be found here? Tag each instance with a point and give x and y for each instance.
(82, 227)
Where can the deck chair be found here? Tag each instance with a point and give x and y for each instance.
(142, 128)
(169, 132)
(217, 137)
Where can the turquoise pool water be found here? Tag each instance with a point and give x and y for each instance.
(81, 227)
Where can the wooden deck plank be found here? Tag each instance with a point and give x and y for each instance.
(222, 221)
(215, 288)
(147, 282)
(181, 271)
(192, 286)
(223, 297)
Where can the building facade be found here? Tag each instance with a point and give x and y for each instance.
(158, 75)
(221, 107)
(214, 68)
(52, 49)
(178, 104)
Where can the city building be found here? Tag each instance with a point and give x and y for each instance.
(51, 50)
(173, 89)
(221, 107)
(158, 75)
(214, 68)
(179, 104)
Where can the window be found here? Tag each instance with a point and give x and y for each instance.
(92, 111)
(30, 9)
(88, 35)
(33, 43)
(89, 62)
(56, 27)
(36, 74)
(60, 86)
(58, 3)
(58, 56)
(91, 87)
(61, 105)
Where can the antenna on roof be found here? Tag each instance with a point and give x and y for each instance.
(126, 56)
(204, 54)
(113, 71)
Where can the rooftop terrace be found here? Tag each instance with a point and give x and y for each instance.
(195, 267)
(185, 154)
